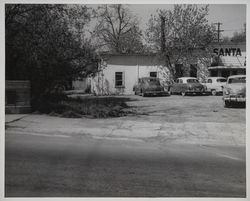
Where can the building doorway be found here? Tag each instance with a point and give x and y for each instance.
(193, 70)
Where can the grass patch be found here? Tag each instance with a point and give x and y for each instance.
(93, 107)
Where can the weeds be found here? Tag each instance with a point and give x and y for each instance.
(94, 107)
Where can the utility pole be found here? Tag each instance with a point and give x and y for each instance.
(244, 28)
(218, 31)
(163, 38)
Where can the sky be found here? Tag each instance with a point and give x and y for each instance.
(232, 16)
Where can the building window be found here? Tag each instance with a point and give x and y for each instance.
(153, 74)
(119, 79)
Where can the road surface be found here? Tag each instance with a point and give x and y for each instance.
(151, 155)
(44, 166)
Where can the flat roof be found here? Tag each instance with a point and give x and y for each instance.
(226, 67)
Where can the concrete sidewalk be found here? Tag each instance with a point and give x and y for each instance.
(129, 128)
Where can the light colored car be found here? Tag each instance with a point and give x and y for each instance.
(235, 90)
(215, 85)
(187, 85)
(149, 86)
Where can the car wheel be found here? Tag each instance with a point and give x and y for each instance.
(213, 92)
(227, 104)
(183, 93)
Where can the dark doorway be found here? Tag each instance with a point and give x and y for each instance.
(193, 70)
(178, 70)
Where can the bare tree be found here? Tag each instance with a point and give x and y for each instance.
(117, 30)
(239, 37)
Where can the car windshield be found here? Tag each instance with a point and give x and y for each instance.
(152, 81)
(237, 80)
(192, 81)
(221, 80)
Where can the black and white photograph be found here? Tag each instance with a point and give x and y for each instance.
(124, 100)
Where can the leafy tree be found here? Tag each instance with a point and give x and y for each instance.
(117, 30)
(45, 44)
(181, 36)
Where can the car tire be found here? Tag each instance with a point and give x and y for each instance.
(227, 104)
(183, 93)
(213, 92)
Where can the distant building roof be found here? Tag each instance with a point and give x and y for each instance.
(133, 59)
(226, 67)
(233, 60)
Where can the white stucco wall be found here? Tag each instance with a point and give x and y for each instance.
(104, 81)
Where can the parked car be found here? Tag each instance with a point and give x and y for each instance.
(235, 90)
(149, 86)
(215, 85)
(187, 85)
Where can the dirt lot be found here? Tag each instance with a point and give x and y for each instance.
(187, 109)
(173, 119)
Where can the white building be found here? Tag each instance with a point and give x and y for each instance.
(119, 73)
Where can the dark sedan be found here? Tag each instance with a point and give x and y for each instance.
(149, 86)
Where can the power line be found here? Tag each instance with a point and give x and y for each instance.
(233, 29)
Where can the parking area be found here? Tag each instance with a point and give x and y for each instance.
(176, 108)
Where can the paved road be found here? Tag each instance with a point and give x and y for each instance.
(43, 166)
(180, 147)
